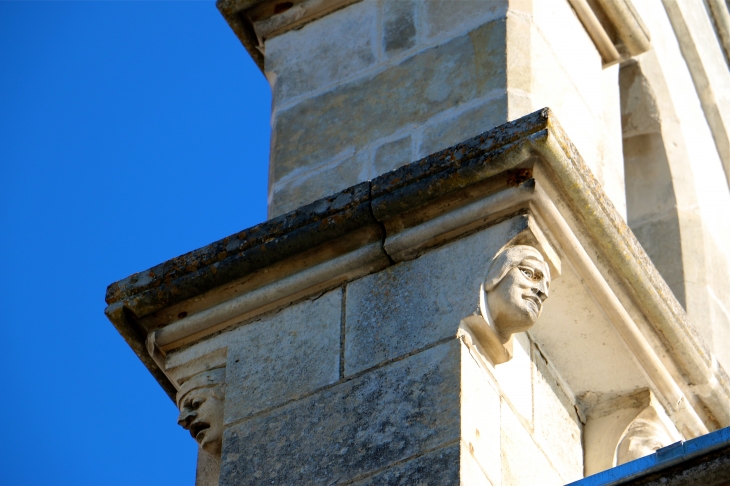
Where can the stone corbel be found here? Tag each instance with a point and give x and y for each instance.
(201, 384)
(623, 428)
(531, 248)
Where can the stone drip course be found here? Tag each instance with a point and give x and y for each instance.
(365, 204)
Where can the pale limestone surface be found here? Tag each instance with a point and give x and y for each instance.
(399, 26)
(480, 416)
(351, 117)
(453, 69)
(703, 54)
(597, 353)
(611, 439)
(331, 50)
(468, 121)
(394, 154)
(515, 378)
(698, 179)
(415, 303)
(347, 170)
(557, 427)
(283, 356)
(381, 392)
(523, 462)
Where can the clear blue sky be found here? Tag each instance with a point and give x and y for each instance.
(130, 132)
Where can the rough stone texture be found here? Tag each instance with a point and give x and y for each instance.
(444, 18)
(557, 428)
(436, 468)
(392, 155)
(292, 193)
(412, 304)
(522, 461)
(319, 128)
(469, 122)
(355, 427)
(322, 53)
(399, 25)
(283, 356)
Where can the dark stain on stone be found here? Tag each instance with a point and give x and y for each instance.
(282, 7)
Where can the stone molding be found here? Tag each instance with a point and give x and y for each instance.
(527, 166)
(615, 28)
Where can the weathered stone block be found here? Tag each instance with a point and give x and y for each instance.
(392, 155)
(433, 469)
(480, 418)
(354, 114)
(322, 53)
(297, 191)
(556, 426)
(522, 461)
(415, 303)
(469, 122)
(444, 18)
(362, 425)
(284, 355)
(661, 240)
(399, 25)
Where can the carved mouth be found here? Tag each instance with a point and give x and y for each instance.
(197, 429)
(535, 302)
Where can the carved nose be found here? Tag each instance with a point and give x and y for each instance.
(541, 290)
(186, 416)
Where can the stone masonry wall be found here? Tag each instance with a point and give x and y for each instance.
(369, 384)
(379, 84)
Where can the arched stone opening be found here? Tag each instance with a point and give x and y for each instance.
(651, 202)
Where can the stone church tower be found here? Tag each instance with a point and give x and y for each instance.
(497, 251)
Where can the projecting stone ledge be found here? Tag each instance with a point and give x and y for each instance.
(526, 172)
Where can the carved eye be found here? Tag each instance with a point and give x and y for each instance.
(530, 274)
(197, 403)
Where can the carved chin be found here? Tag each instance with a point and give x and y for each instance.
(531, 306)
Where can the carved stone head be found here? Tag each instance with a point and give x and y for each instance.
(645, 435)
(200, 400)
(516, 286)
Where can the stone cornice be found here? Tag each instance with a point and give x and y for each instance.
(527, 166)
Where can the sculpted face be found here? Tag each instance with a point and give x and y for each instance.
(200, 401)
(516, 287)
(201, 413)
(642, 437)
